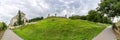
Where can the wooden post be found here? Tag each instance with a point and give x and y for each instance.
(48, 15)
(55, 15)
(65, 16)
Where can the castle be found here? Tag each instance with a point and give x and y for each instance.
(14, 20)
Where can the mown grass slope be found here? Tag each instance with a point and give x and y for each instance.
(1, 30)
(60, 29)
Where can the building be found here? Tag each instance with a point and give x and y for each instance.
(14, 20)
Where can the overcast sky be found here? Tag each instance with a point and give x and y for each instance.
(36, 8)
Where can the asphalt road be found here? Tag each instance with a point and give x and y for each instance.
(10, 35)
(106, 34)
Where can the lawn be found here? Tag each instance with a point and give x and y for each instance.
(60, 29)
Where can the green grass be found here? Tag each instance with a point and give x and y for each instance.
(1, 30)
(1, 25)
(60, 29)
(1, 33)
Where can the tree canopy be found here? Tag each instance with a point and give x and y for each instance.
(110, 7)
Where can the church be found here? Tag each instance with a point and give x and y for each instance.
(14, 20)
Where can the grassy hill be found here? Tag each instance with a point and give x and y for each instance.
(1, 25)
(1, 29)
(60, 29)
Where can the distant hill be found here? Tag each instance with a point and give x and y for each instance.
(60, 29)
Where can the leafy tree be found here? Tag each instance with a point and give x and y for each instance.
(4, 26)
(75, 17)
(106, 20)
(15, 24)
(83, 17)
(110, 7)
(78, 17)
(95, 16)
(36, 19)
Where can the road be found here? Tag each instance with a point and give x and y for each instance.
(10, 35)
(106, 34)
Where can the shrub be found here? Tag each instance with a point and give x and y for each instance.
(83, 17)
(3, 26)
(36, 19)
(106, 20)
(74, 17)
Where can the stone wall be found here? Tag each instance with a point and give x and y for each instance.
(116, 31)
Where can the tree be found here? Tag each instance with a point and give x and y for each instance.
(110, 7)
(36, 19)
(83, 17)
(19, 18)
(4, 26)
(93, 16)
(106, 20)
(75, 17)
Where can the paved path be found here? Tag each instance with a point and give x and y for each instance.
(10, 35)
(106, 34)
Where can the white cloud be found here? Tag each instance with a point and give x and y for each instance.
(34, 8)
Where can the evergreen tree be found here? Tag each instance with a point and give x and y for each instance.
(19, 18)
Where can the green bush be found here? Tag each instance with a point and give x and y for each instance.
(36, 19)
(78, 17)
(75, 17)
(83, 17)
(106, 20)
(3, 26)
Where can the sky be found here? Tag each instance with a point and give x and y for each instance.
(38, 8)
